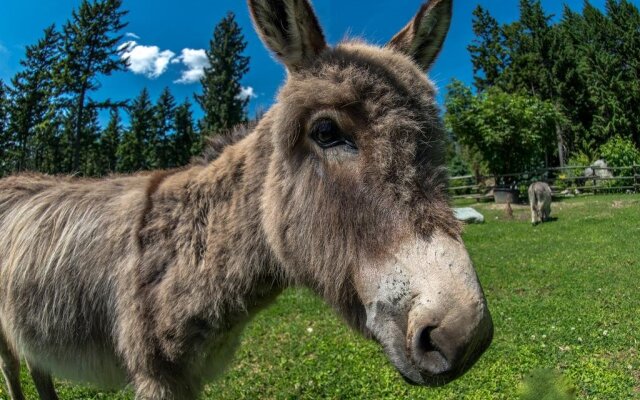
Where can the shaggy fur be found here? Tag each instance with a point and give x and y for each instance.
(216, 144)
(148, 279)
(540, 196)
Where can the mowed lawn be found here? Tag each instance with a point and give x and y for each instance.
(565, 297)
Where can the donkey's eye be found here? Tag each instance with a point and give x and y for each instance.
(327, 134)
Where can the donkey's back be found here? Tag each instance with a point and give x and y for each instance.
(63, 244)
(540, 201)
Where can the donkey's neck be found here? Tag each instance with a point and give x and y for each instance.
(203, 231)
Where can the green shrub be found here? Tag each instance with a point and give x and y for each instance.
(511, 132)
(579, 159)
(619, 152)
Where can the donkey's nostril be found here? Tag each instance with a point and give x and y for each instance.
(427, 355)
(424, 340)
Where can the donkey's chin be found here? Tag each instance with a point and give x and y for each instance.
(411, 373)
(416, 376)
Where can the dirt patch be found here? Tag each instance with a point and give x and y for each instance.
(514, 207)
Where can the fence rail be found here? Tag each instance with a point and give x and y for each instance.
(562, 180)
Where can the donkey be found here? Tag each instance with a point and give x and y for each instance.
(540, 202)
(149, 279)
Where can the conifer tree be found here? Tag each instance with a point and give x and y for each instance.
(109, 142)
(33, 106)
(186, 139)
(90, 49)
(488, 53)
(133, 151)
(221, 98)
(4, 120)
(90, 163)
(164, 127)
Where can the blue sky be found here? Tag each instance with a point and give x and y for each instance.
(169, 37)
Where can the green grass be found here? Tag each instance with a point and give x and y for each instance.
(565, 298)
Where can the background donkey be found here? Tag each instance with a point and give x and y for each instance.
(149, 279)
(540, 201)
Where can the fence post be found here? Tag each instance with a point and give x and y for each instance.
(636, 180)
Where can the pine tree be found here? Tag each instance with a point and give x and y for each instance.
(528, 41)
(109, 142)
(134, 148)
(587, 66)
(90, 50)
(4, 120)
(90, 159)
(33, 104)
(624, 26)
(488, 53)
(186, 140)
(164, 127)
(221, 89)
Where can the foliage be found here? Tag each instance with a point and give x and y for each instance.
(90, 48)
(49, 122)
(563, 298)
(619, 152)
(33, 117)
(136, 150)
(110, 141)
(488, 52)
(221, 90)
(4, 121)
(164, 128)
(187, 141)
(580, 159)
(586, 65)
(511, 132)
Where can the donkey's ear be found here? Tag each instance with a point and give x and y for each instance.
(290, 29)
(423, 37)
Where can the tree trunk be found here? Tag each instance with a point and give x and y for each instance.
(560, 144)
(78, 131)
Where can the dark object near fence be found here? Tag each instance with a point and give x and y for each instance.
(617, 179)
(506, 195)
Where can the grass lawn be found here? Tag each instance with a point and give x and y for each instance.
(565, 298)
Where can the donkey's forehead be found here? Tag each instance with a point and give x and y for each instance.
(357, 73)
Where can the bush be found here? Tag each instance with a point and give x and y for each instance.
(579, 159)
(511, 132)
(619, 152)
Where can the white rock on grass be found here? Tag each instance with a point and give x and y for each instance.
(468, 215)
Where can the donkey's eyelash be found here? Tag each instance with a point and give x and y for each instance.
(327, 134)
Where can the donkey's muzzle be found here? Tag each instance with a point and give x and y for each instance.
(442, 349)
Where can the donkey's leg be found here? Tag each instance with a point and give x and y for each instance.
(152, 389)
(148, 389)
(163, 388)
(10, 365)
(43, 382)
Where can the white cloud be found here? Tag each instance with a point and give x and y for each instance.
(132, 35)
(247, 93)
(196, 61)
(146, 60)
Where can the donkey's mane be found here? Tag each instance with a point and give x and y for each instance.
(216, 144)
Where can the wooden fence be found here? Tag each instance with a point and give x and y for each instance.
(563, 181)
